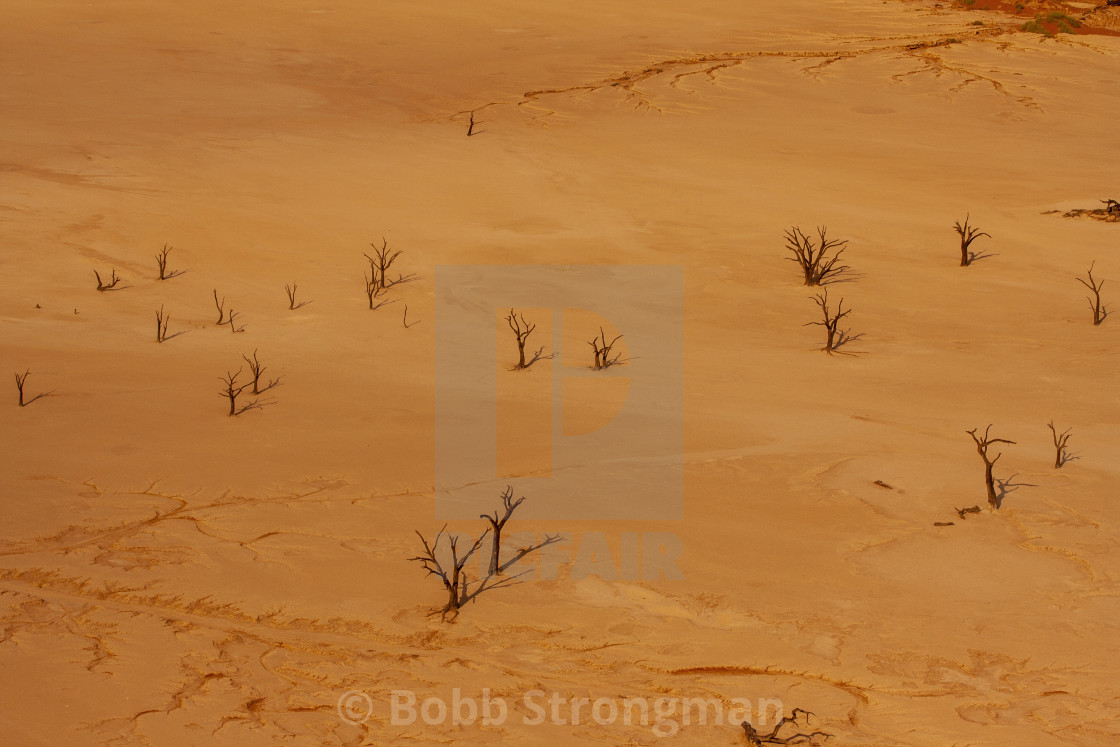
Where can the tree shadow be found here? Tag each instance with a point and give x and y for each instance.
(255, 405)
(843, 276)
(845, 337)
(401, 280)
(489, 583)
(39, 396)
(537, 356)
(1068, 456)
(1006, 486)
(975, 256)
(386, 302)
(172, 337)
(549, 539)
(618, 360)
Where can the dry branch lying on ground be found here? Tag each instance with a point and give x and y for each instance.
(964, 512)
(1110, 212)
(799, 728)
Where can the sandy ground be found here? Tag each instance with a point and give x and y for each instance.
(174, 576)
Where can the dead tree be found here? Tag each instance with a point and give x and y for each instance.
(221, 308)
(372, 288)
(1060, 440)
(819, 262)
(257, 368)
(1111, 207)
(968, 235)
(470, 126)
(375, 284)
(381, 261)
(829, 321)
(522, 330)
(161, 260)
(103, 286)
(497, 524)
(231, 320)
(982, 444)
(453, 579)
(233, 390)
(161, 325)
(20, 379)
(1099, 312)
(602, 350)
(291, 291)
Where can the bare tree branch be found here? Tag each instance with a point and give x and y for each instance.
(522, 330)
(1099, 312)
(497, 523)
(1060, 440)
(819, 263)
(982, 444)
(231, 320)
(233, 390)
(829, 320)
(257, 368)
(453, 578)
(602, 350)
(161, 260)
(291, 291)
(161, 325)
(968, 235)
(221, 308)
(112, 285)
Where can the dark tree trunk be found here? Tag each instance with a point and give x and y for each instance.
(495, 551)
(993, 500)
(453, 592)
